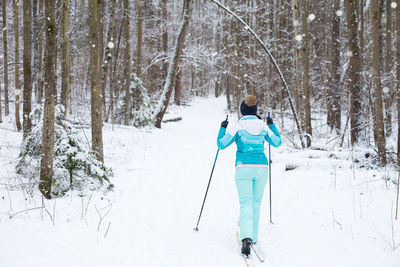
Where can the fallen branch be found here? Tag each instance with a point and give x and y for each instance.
(173, 120)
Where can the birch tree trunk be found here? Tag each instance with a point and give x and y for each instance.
(95, 77)
(27, 58)
(16, 65)
(306, 75)
(65, 55)
(5, 59)
(354, 70)
(379, 123)
(173, 66)
(127, 62)
(46, 164)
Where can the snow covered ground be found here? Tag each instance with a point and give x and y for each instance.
(323, 213)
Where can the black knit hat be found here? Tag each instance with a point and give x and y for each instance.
(249, 106)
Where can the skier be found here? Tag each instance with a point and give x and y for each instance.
(249, 133)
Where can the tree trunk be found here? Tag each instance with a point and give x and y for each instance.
(178, 88)
(398, 81)
(46, 164)
(296, 25)
(306, 75)
(354, 70)
(164, 35)
(127, 63)
(173, 66)
(27, 57)
(378, 124)
(139, 32)
(16, 64)
(388, 69)
(40, 56)
(65, 55)
(335, 93)
(95, 77)
(5, 59)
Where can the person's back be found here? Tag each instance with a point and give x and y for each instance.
(249, 133)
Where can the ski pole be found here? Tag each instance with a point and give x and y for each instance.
(208, 186)
(270, 181)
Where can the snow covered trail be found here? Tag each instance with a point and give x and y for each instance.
(160, 180)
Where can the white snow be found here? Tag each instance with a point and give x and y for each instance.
(310, 18)
(110, 45)
(322, 215)
(339, 13)
(299, 37)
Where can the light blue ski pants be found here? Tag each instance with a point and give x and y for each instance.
(250, 183)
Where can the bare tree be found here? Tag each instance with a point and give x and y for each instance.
(40, 83)
(388, 69)
(379, 123)
(46, 164)
(354, 69)
(65, 55)
(334, 105)
(306, 75)
(27, 58)
(398, 81)
(127, 61)
(296, 25)
(173, 66)
(139, 36)
(95, 31)
(5, 58)
(16, 64)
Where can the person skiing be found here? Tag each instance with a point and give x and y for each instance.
(249, 133)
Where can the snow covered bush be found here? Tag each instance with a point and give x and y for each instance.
(140, 113)
(75, 165)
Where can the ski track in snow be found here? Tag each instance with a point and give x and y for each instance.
(160, 179)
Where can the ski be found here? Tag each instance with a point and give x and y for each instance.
(258, 252)
(246, 260)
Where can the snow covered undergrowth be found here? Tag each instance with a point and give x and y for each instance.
(323, 213)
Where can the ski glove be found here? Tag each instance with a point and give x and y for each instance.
(224, 124)
(269, 121)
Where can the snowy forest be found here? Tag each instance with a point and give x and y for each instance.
(109, 115)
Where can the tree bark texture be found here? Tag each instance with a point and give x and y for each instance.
(46, 164)
(354, 70)
(40, 56)
(127, 63)
(95, 77)
(27, 63)
(16, 65)
(139, 35)
(306, 75)
(388, 94)
(65, 56)
(5, 59)
(379, 123)
(173, 66)
(335, 92)
(398, 81)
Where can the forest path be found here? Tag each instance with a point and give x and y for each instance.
(160, 180)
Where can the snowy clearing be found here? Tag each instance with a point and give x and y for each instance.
(323, 215)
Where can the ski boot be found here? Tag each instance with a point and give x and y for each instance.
(246, 246)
